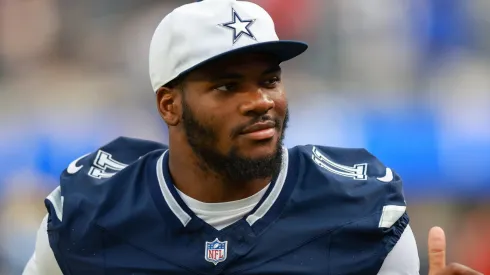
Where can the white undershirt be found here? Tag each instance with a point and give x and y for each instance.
(402, 260)
(222, 214)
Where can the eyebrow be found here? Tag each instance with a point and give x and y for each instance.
(273, 69)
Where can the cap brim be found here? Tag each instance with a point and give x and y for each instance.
(283, 50)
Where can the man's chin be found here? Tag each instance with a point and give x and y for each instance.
(260, 151)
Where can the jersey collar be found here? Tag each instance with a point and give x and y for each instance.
(186, 216)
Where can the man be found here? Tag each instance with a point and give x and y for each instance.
(225, 197)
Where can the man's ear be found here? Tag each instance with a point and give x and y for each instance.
(169, 105)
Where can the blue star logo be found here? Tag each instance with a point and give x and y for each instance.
(240, 27)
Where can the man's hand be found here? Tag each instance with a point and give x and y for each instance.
(437, 256)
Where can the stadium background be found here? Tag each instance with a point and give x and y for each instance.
(408, 80)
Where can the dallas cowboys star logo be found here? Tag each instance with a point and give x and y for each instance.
(240, 27)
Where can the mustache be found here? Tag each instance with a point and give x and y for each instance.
(264, 118)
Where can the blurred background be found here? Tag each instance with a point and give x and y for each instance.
(408, 80)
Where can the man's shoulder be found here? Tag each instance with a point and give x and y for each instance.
(130, 148)
(350, 180)
(94, 182)
(344, 199)
(345, 163)
(111, 158)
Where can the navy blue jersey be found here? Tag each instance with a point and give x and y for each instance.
(329, 211)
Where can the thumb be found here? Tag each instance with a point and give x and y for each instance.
(437, 250)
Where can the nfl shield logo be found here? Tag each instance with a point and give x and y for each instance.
(216, 251)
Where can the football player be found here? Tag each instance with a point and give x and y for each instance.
(225, 196)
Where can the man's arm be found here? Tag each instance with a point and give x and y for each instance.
(403, 258)
(42, 261)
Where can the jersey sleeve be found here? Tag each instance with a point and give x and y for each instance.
(368, 198)
(83, 181)
(359, 174)
(82, 195)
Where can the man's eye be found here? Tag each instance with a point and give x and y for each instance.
(272, 82)
(226, 88)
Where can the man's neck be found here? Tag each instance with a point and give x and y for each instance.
(200, 183)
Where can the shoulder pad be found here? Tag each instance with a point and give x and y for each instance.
(111, 158)
(350, 163)
(86, 180)
(353, 175)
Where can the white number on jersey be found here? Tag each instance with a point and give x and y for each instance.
(357, 172)
(105, 166)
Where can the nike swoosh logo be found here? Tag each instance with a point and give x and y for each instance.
(73, 168)
(388, 177)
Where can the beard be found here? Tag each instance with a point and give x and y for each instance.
(231, 166)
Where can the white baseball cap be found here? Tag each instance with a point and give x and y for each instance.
(197, 33)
